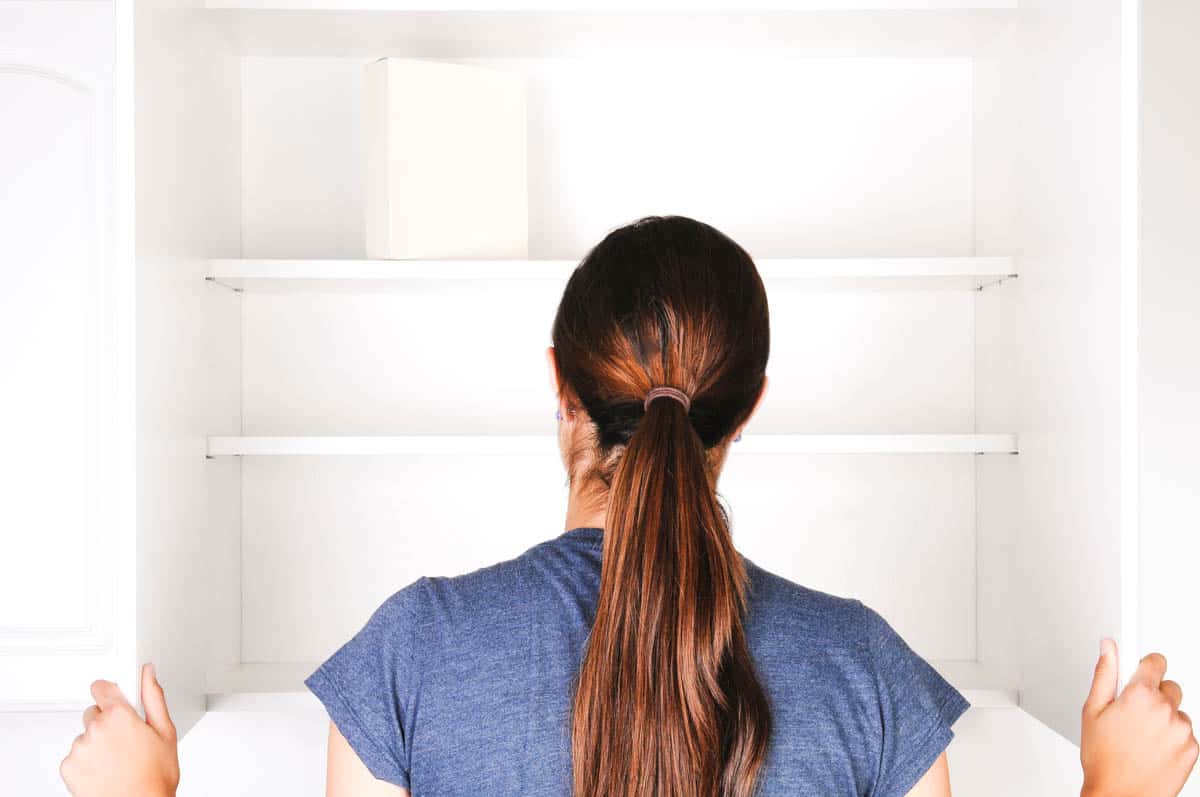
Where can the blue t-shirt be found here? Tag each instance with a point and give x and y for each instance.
(462, 685)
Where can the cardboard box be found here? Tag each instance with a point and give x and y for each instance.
(446, 161)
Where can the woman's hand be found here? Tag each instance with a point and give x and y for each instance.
(1139, 744)
(119, 754)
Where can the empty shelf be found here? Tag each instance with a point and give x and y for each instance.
(967, 273)
(879, 444)
(472, 445)
(270, 687)
(545, 5)
(931, 28)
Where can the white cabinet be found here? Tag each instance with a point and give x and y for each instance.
(941, 196)
(892, 171)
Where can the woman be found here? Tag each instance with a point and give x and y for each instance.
(703, 673)
(638, 653)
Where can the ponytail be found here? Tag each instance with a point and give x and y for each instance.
(667, 703)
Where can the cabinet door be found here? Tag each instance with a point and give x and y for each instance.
(65, 476)
(1169, 329)
(1076, 519)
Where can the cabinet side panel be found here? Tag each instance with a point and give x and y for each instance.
(1169, 329)
(999, 394)
(186, 197)
(1067, 320)
(998, 386)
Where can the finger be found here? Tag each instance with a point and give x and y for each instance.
(90, 713)
(1191, 749)
(108, 696)
(155, 703)
(68, 766)
(1151, 670)
(1173, 692)
(1104, 681)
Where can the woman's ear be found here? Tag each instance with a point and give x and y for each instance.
(757, 403)
(553, 371)
(761, 393)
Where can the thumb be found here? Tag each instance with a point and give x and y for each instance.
(155, 704)
(1104, 682)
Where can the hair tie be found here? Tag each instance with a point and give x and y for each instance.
(672, 392)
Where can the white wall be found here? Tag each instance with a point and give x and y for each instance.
(790, 155)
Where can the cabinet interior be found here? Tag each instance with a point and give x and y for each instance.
(917, 142)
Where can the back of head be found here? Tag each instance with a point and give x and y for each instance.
(667, 703)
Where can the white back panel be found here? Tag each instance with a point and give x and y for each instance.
(327, 539)
(894, 531)
(302, 141)
(790, 155)
(470, 359)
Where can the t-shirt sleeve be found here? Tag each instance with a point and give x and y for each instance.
(369, 686)
(917, 707)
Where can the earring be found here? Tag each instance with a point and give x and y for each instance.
(739, 437)
(558, 415)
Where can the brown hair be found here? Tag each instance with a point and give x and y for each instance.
(666, 703)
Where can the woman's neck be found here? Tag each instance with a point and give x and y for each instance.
(586, 507)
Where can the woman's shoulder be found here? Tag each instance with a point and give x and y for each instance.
(781, 606)
(787, 621)
(443, 601)
(428, 616)
(836, 668)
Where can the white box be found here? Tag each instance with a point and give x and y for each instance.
(446, 161)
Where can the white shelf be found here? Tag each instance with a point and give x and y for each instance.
(235, 750)
(966, 273)
(879, 444)
(982, 686)
(654, 6)
(370, 28)
(397, 445)
(475, 445)
(280, 687)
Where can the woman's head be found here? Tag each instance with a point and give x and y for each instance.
(666, 300)
(667, 702)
